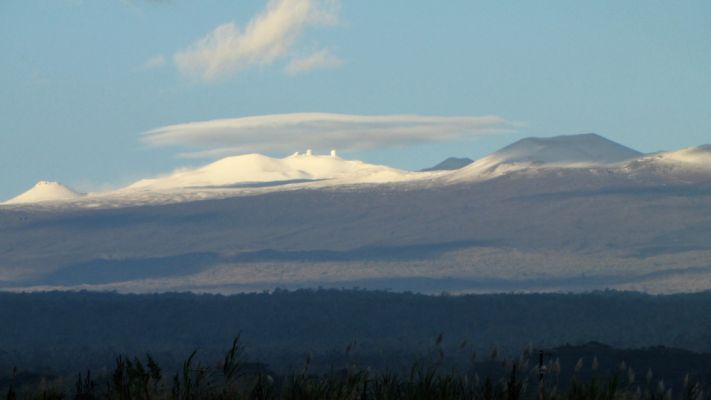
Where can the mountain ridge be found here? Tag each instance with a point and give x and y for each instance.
(255, 173)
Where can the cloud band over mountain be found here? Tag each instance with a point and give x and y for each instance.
(297, 131)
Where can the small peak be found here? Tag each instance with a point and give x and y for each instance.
(296, 154)
(45, 191)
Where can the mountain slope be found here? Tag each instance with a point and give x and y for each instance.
(691, 164)
(45, 191)
(699, 156)
(560, 229)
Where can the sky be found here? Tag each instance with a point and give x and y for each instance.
(97, 94)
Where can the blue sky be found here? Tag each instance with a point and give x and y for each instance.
(82, 81)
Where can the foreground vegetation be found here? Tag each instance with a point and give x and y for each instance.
(65, 332)
(360, 345)
(532, 375)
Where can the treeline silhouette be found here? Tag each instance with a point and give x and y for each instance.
(65, 332)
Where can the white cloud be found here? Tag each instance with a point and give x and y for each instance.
(156, 61)
(320, 59)
(322, 131)
(266, 38)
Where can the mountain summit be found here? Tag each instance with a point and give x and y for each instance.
(589, 148)
(558, 151)
(258, 168)
(45, 191)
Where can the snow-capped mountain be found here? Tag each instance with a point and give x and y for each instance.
(563, 213)
(690, 161)
(45, 191)
(256, 173)
(257, 168)
(698, 157)
(569, 151)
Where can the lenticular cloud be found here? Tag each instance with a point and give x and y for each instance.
(286, 132)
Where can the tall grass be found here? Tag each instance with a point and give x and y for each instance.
(532, 375)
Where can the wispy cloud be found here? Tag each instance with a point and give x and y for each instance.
(154, 62)
(268, 37)
(320, 59)
(291, 132)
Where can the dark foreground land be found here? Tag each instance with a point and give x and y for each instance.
(532, 375)
(355, 344)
